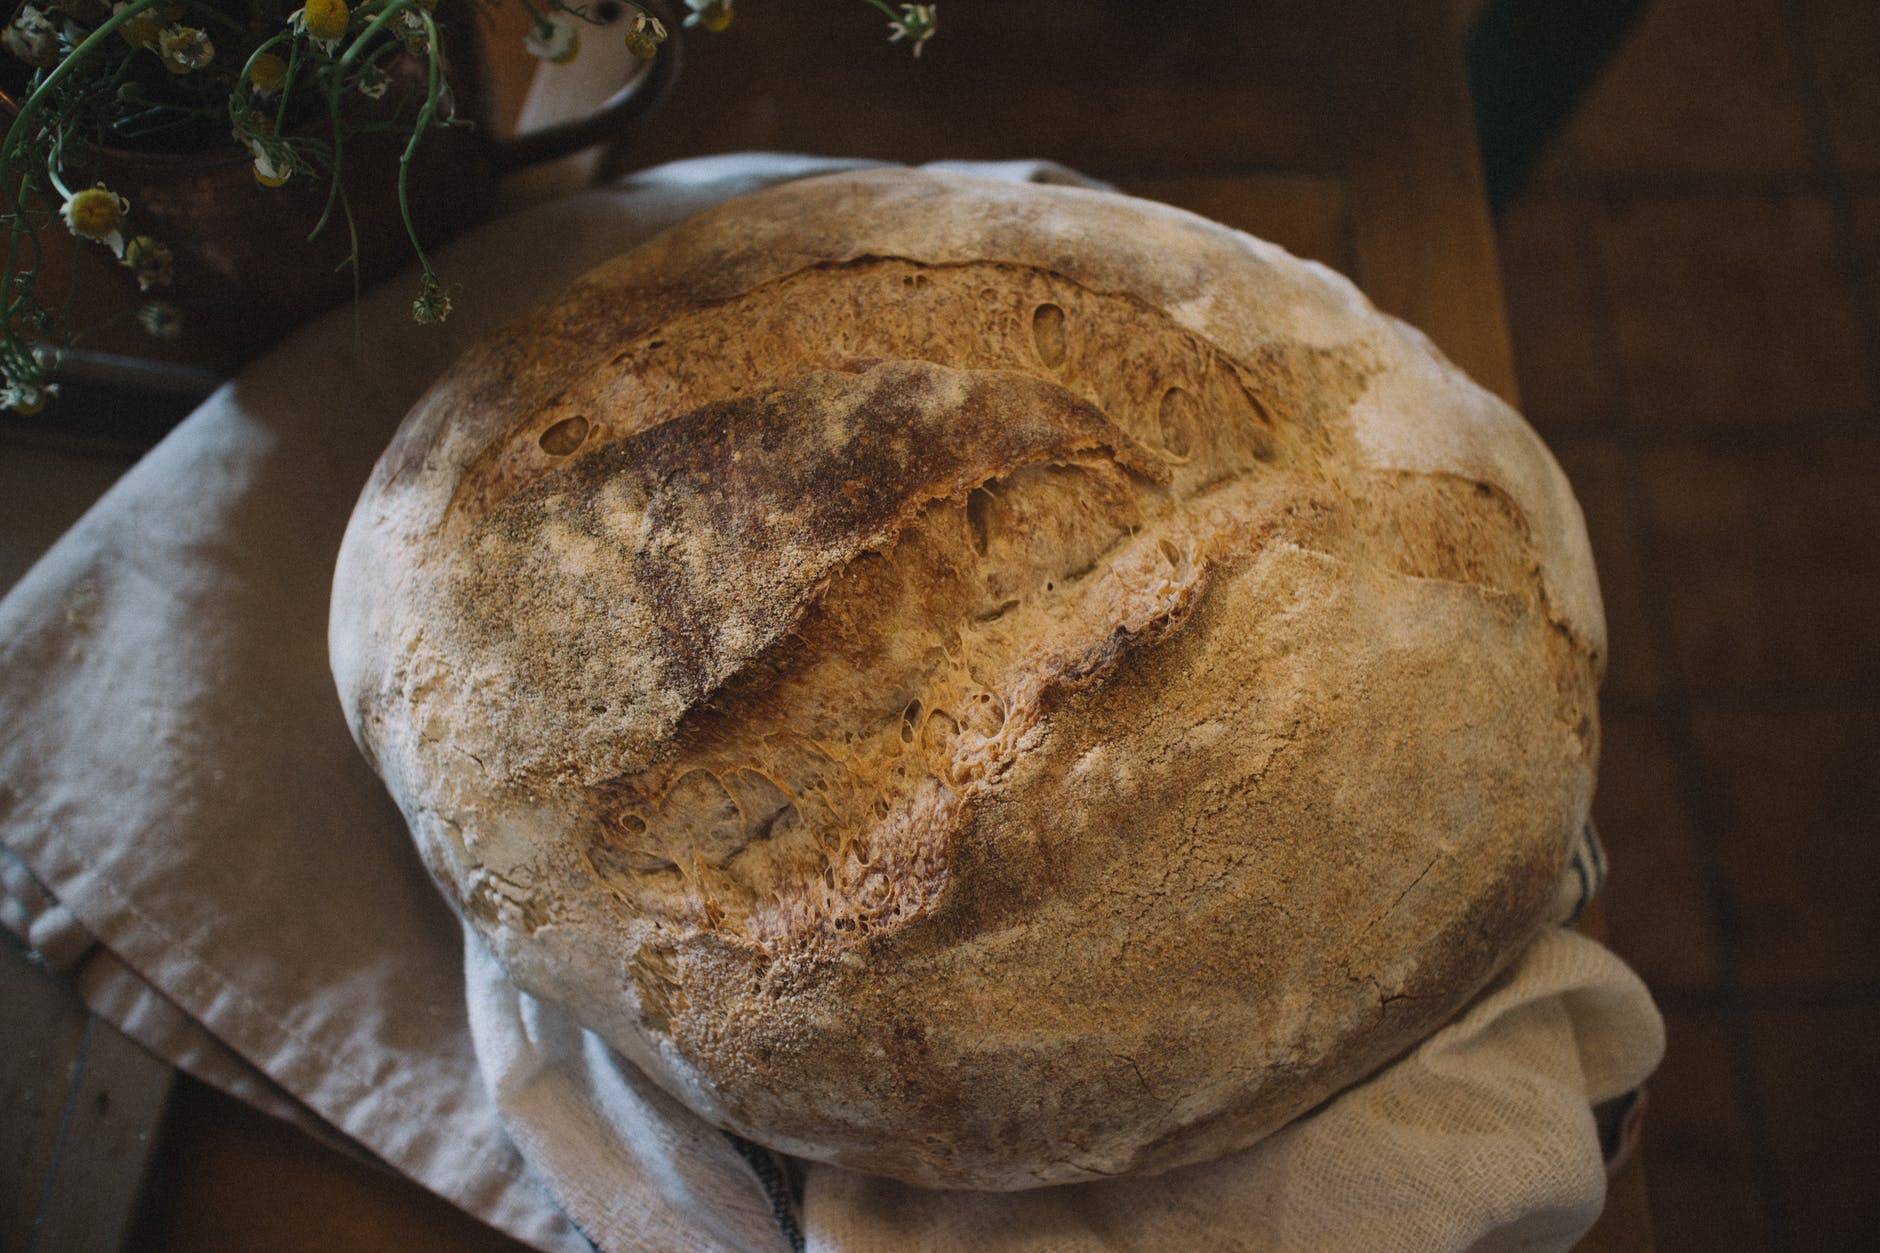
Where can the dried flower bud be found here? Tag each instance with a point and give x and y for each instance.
(150, 261)
(917, 24)
(554, 42)
(412, 33)
(25, 401)
(644, 35)
(27, 396)
(32, 38)
(161, 319)
(184, 49)
(432, 307)
(140, 31)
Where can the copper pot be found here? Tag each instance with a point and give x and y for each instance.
(245, 268)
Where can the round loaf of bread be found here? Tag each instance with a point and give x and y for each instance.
(989, 684)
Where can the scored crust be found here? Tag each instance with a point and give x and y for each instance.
(989, 684)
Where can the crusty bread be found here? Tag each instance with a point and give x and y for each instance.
(988, 684)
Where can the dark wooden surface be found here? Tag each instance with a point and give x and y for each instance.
(1338, 128)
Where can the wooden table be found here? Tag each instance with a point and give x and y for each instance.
(1338, 128)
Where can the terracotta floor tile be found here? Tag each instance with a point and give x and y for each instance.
(1799, 841)
(1697, 1156)
(1657, 911)
(1596, 472)
(1770, 559)
(1732, 308)
(1701, 87)
(1842, 44)
(1817, 1074)
(1551, 317)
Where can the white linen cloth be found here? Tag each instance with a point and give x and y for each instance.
(190, 834)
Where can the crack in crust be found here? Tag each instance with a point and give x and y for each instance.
(827, 317)
(924, 553)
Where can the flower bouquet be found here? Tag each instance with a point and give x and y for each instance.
(185, 137)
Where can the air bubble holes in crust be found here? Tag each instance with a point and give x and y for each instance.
(1176, 422)
(1049, 334)
(565, 436)
(979, 518)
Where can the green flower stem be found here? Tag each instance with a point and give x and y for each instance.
(417, 133)
(287, 87)
(377, 24)
(56, 164)
(335, 85)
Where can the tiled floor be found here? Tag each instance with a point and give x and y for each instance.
(1694, 289)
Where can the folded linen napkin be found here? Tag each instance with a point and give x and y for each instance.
(191, 833)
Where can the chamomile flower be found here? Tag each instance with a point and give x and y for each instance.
(142, 30)
(917, 24)
(150, 261)
(644, 35)
(32, 38)
(27, 398)
(323, 22)
(273, 160)
(97, 214)
(273, 165)
(713, 15)
(554, 42)
(160, 319)
(185, 49)
(412, 33)
(374, 82)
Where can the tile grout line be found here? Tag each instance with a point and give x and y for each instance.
(1677, 720)
(1834, 185)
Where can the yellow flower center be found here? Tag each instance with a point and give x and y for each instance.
(267, 72)
(94, 213)
(326, 19)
